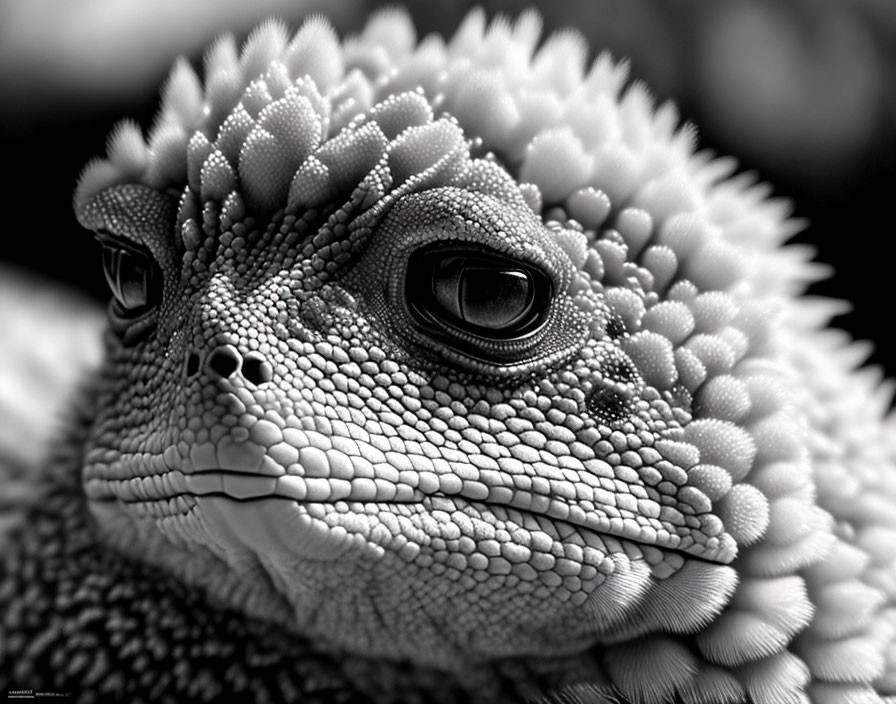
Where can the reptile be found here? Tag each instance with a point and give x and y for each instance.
(450, 370)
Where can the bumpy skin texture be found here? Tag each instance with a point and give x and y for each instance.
(459, 358)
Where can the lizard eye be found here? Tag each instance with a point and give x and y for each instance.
(132, 276)
(471, 293)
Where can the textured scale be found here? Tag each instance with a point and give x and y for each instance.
(289, 483)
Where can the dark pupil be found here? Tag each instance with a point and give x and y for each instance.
(128, 277)
(483, 295)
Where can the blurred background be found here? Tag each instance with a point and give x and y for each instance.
(801, 91)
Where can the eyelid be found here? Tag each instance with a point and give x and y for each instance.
(107, 238)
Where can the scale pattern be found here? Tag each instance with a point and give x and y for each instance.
(675, 488)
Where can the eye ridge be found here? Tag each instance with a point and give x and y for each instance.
(459, 292)
(132, 275)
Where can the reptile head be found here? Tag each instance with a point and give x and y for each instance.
(445, 351)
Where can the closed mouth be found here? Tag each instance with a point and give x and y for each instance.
(176, 492)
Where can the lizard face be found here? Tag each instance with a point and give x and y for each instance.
(359, 384)
(439, 446)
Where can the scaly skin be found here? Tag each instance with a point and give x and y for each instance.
(514, 403)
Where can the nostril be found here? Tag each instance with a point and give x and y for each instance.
(257, 370)
(192, 364)
(224, 361)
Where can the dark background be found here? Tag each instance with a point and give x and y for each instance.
(800, 92)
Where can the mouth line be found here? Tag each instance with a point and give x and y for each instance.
(247, 487)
